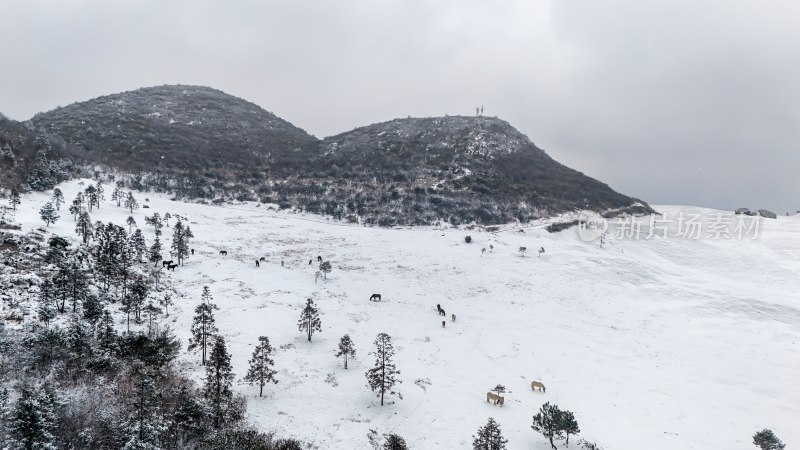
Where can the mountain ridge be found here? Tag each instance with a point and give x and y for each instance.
(200, 142)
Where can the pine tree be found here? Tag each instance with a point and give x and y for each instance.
(489, 437)
(107, 334)
(144, 425)
(131, 223)
(261, 364)
(309, 319)
(166, 302)
(767, 440)
(48, 214)
(180, 242)
(46, 311)
(130, 202)
(382, 378)
(14, 200)
(92, 309)
(219, 378)
(138, 244)
(91, 197)
(325, 268)
(394, 442)
(203, 327)
(346, 348)
(548, 422)
(568, 424)
(58, 198)
(151, 312)
(30, 422)
(83, 226)
(155, 221)
(155, 252)
(117, 195)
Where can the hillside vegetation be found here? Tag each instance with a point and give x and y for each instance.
(198, 142)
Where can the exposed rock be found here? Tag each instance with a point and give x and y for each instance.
(767, 213)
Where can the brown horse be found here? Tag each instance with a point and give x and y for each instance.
(498, 400)
(538, 384)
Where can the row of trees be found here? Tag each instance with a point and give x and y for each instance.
(381, 378)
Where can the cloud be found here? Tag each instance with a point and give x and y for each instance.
(671, 101)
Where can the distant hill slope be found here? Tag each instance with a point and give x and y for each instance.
(24, 157)
(200, 142)
(482, 157)
(175, 128)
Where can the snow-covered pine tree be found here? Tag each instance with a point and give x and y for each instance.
(309, 319)
(568, 424)
(58, 198)
(155, 221)
(145, 425)
(91, 197)
(48, 214)
(180, 242)
(767, 440)
(346, 348)
(548, 422)
(130, 202)
(131, 223)
(155, 252)
(138, 244)
(118, 196)
(30, 422)
(325, 267)
(83, 226)
(203, 327)
(489, 437)
(14, 200)
(260, 371)
(219, 378)
(394, 442)
(166, 302)
(382, 378)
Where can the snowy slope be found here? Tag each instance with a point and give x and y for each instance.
(659, 344)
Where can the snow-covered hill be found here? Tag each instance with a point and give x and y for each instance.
(654, 344)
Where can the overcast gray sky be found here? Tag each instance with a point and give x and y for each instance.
(673, 101)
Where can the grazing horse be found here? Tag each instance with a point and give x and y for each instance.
(438, 307)
(498, 400)
(319, 258)
(442, 313)
(166, 263)
(258, 264)
(193, 251)
(262, 259)
(454, 317)
(443, 323)
(539, 384)
(172, 267)
(223, 252)
(375, 298)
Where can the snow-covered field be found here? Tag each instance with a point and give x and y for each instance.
(657, 344)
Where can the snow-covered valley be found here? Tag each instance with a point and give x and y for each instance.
(656, 344)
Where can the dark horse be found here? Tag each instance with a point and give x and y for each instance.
(258, 264)
(223, 252)
(375, 298)
(319, 258)
(166, 263)
(172, 267)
